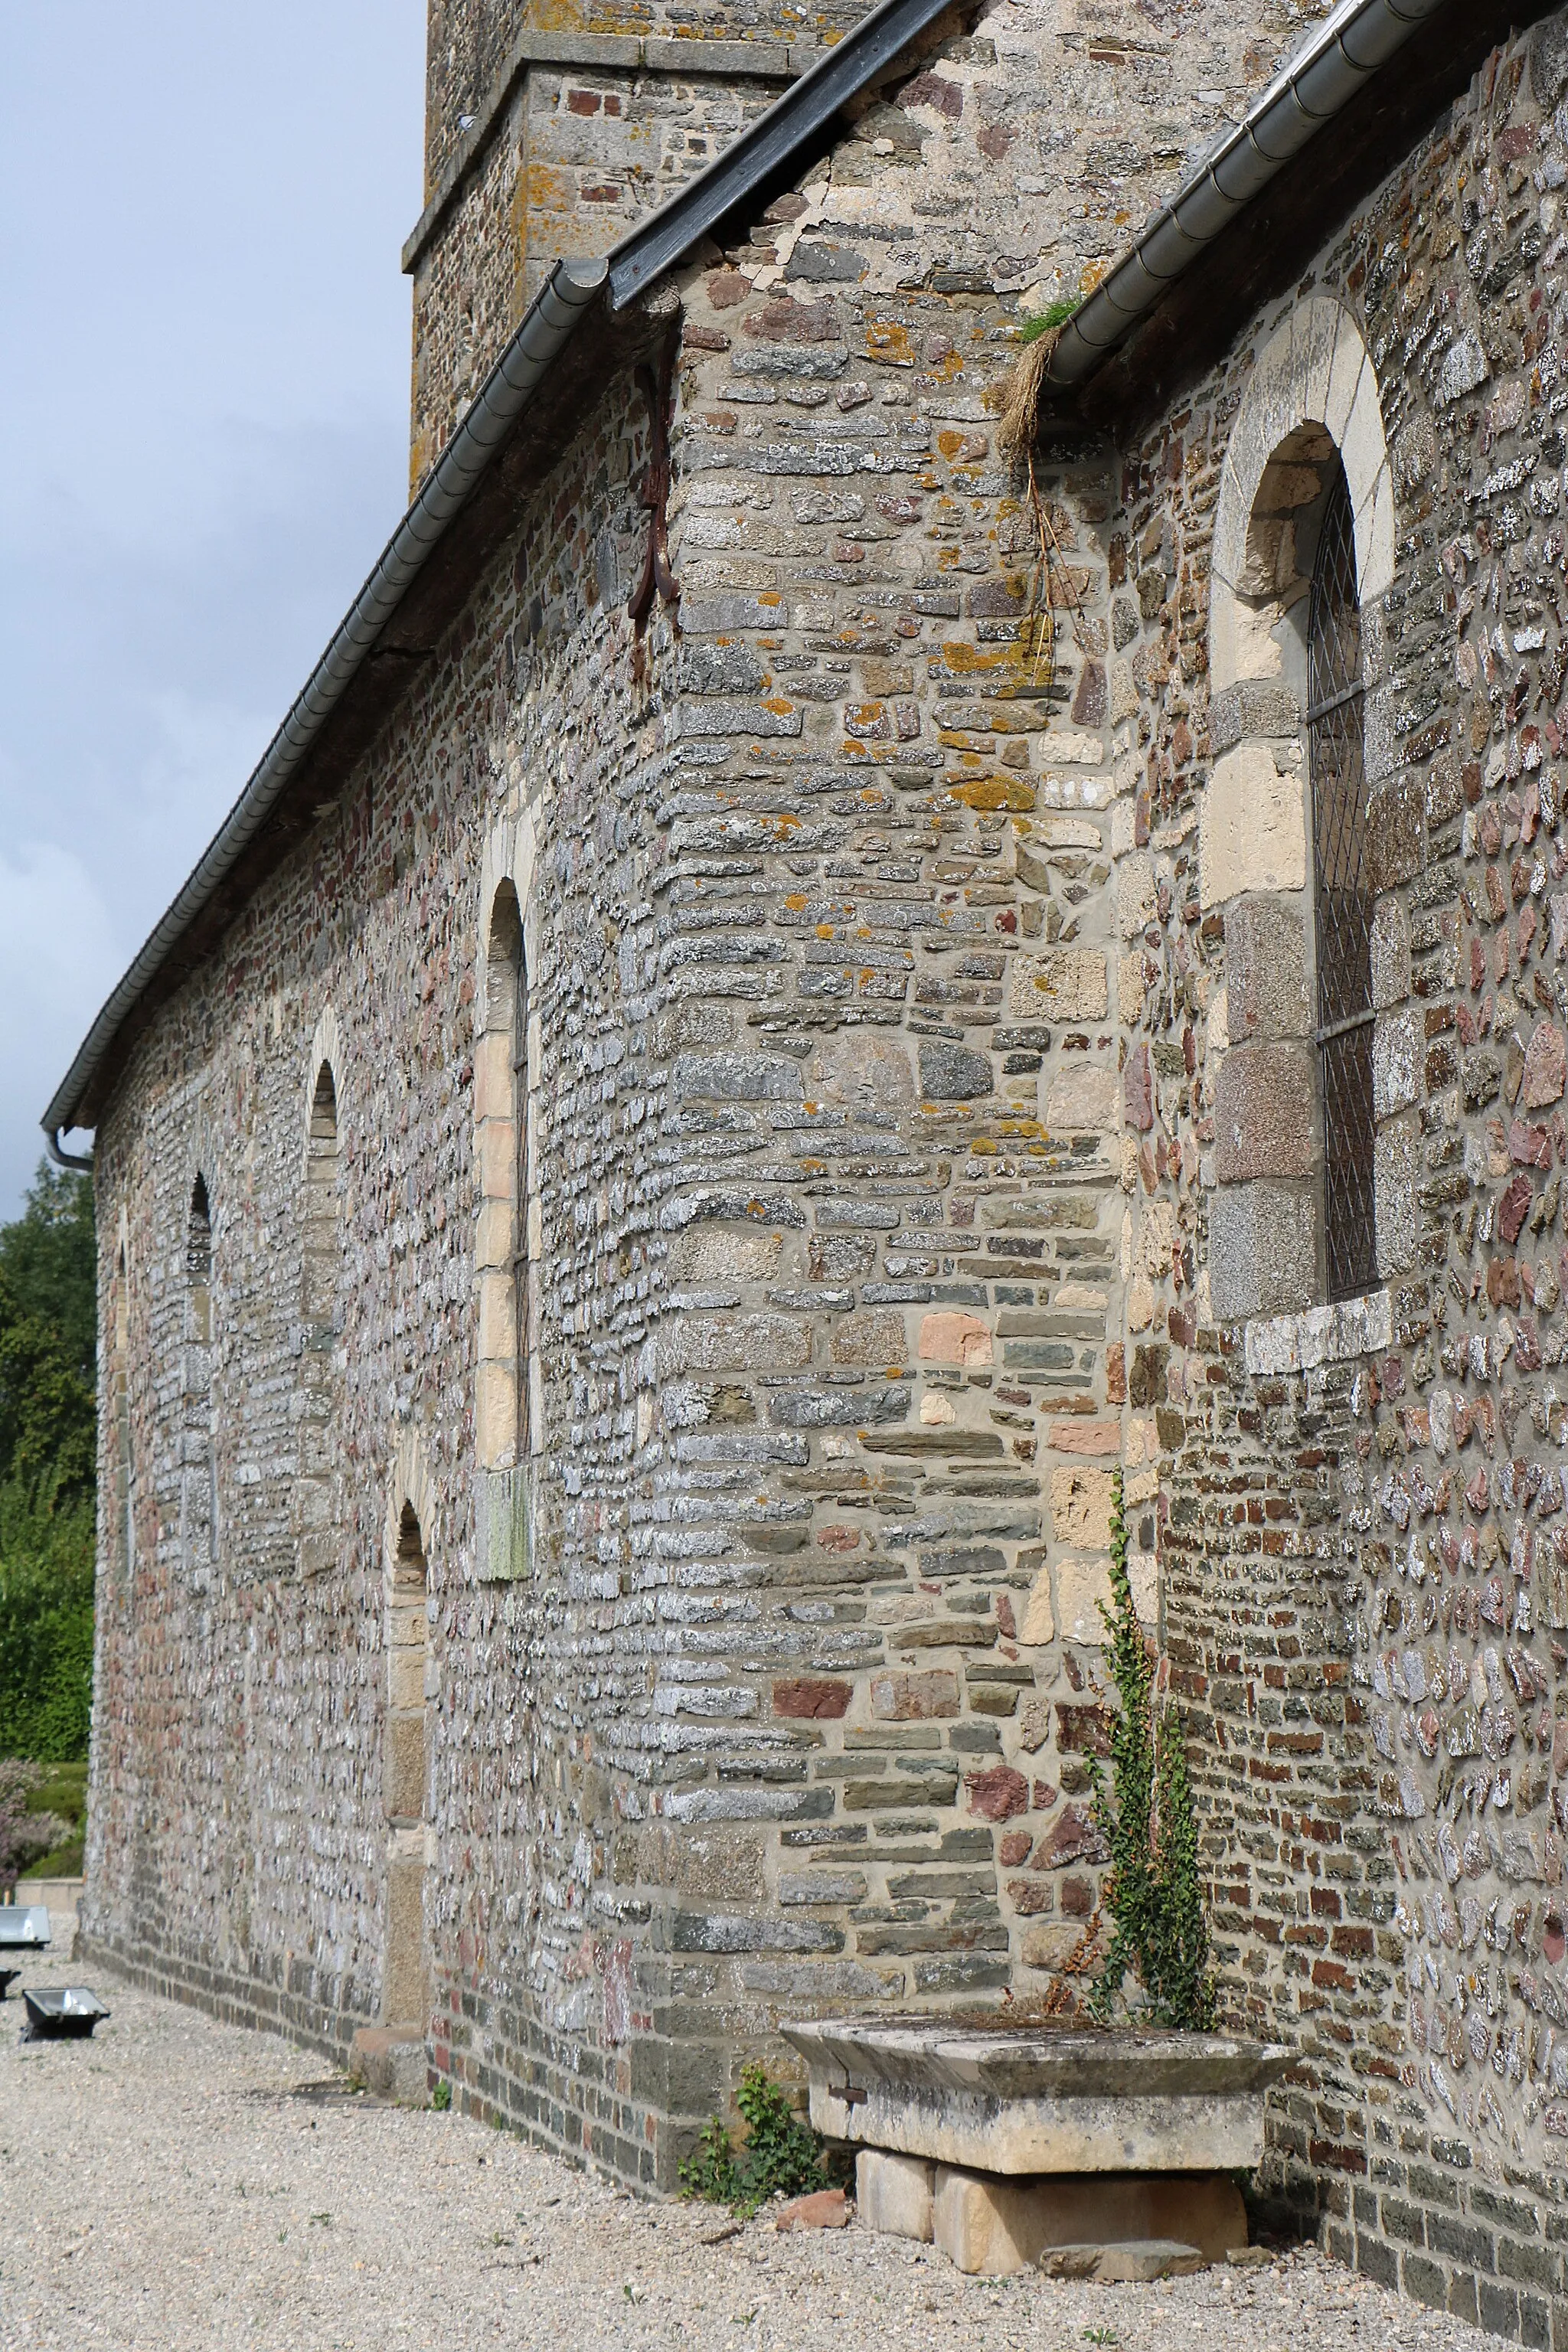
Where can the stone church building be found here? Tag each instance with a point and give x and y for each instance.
(801, 982)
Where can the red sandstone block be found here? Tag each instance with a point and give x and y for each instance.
(1085, 1437)
(829, 2209)
(997, 1795)
(809, 1696)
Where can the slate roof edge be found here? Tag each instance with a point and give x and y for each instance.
(795, 119)
(573, 286)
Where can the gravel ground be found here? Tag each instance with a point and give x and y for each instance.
(178, 2185)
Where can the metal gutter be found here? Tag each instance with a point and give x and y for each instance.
(506, 391)
(771, 141)
(1333, 66)
(796, 117)
(1359, 38)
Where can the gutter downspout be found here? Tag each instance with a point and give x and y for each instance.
(569, 291)
(1358, 39)
(61, 1157)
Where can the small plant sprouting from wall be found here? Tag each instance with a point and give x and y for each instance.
(1045, 322)
(782, 2156)
(1160, 1934)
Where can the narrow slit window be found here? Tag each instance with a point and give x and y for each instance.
(506, 1301)
(1342, 902)
(199, 1263)
(317, 1512)
(198, 1505)
(119, 1388)
(521, 1277)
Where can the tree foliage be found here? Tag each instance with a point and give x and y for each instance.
(46, 1412)
(47, 1439)
(45, 1625)
(1160, 1932)
(49, 1260)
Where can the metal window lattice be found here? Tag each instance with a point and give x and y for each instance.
(1343, 904)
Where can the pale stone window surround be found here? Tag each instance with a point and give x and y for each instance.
(507, 959)
(120, 1396)
(1313, 393)
(406, 1752)
(326, 1047)
(318, 1485)
(198, 1474)
(1324, 1335)
(1314, 370)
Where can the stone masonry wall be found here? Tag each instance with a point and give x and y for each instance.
(583, 154)
(792, 1705)
(885, 1023)
(1098, 110)
(1359, 1513)
(239, 1847)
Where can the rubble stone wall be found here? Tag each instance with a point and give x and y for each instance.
(918, 933)
(1084, 114)
(1359, 1512)
(768, 1681)
(247, 1710)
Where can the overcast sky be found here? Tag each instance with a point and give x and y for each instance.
(203, 413)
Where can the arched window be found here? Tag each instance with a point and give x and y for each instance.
(405, 1774)
(199, 1262)
(504, 1253)
(1343, 900)
(1310, 1204)
(316, 1488)
(198, 1493)
(120, 1405)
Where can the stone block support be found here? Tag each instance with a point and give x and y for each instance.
(895, 2194)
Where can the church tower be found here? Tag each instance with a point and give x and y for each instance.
(550, 129)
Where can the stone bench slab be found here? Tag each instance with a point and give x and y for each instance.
(1040, 2099)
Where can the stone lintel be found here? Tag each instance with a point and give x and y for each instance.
(1041, 2101)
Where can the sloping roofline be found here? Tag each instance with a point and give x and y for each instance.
(380, 633)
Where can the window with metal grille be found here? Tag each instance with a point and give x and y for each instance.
(1342, 901)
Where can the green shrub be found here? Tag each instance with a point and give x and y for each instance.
(47, 1441)
(781, 2155)
(1160, 1934)
(45, 1624)
(28, 1833)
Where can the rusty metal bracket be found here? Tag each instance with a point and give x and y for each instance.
(656, 576)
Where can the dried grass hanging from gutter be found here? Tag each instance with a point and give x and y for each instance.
(1021, 388)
